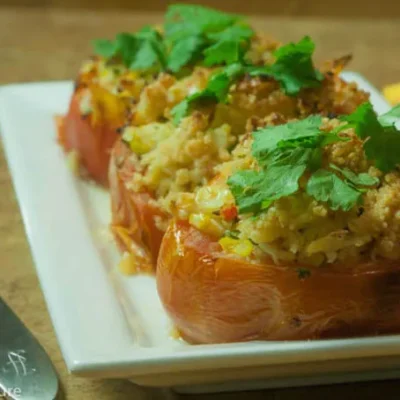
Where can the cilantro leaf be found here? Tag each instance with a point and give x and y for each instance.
(105, 48)
(315, 161)
(229, 46)
(145, 57)
(217, 91)
(284, 172)
(332, 137)
(326, 186)
(391, 117)
(293, 67)
(254, 190)
(268, 139)
(185, 51)
(184, 19)
(382, 142)
(182, 109)
(139, 51)
(222, 52)
(236, 33)
(363, 120)
(222, 37)
(246, 188)
(150, 52)
(362, 179)
(384, 148)
(126, 46)
(220, 82)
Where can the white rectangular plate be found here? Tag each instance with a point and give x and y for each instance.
(109, 325)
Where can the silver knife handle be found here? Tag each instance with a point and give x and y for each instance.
(26, 372)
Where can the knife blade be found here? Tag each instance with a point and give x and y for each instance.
(26, 372)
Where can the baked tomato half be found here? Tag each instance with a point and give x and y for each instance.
(91, 132)
(213, 297)
(134, 214)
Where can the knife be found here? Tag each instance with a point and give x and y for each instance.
(26, 372)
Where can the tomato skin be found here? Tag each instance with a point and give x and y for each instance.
(133, 214)
(214, 298)
(92, 136)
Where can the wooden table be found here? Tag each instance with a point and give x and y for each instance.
(48, 45)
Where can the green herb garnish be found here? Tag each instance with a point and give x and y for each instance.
(216, 91)
(293, 67)
(141, 51)
(196, 34)
(150, 51)
(256, 190)
(285, 152)
(305, 132)
(362, 179)
(191, 33)
(382, 139)
(229, 45)
(326, 186)
(185, 51)
(183, 20)
(105, 48)
(218, 37)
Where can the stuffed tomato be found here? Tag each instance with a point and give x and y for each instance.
(99, 106)
(190, 116)
(169, 159)
(295, 238)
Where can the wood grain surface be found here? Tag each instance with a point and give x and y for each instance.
(46, 44)
(314, 8)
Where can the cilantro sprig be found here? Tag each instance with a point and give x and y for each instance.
(216, 91)
(326, 186)
(256, 190)
(228, 46)
(182, 20)
(141, 51)
(381, 138)
(191, 33)
(196, 34)
(286, 152)
(216, 37)
(293, 69)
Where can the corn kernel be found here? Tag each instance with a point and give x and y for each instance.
(206, 223)
(237, 246)
(198, 220)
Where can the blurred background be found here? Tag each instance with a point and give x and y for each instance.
(317, 8)
(48, 39)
